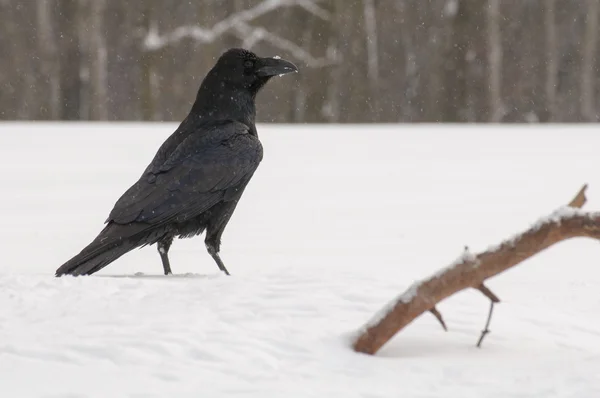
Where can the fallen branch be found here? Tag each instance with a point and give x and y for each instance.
(470, 271)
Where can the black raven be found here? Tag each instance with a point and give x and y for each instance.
(198, 175)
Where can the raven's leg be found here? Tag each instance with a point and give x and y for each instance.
(214, 230)
(163, 249)
(213, 250)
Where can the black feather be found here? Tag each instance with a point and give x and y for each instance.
(197, 176)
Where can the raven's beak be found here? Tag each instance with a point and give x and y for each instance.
(275, 66)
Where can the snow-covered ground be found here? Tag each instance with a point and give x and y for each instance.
(337, 221)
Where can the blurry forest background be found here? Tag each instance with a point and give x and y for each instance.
(360, 60)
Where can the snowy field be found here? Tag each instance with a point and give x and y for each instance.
(337, 222)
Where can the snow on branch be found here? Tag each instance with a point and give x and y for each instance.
(238, 24)
(470, 271)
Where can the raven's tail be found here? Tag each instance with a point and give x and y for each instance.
(113, 242)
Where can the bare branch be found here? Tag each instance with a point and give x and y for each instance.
(238, 24)
(154, 41)
(579, 199)
(493, 300)
(371, 38)
(438, 316)
(471, 271)
(253, 35)
(497, 109)
(486, 330)
(488, 293)
(552, 58)
(588, 64)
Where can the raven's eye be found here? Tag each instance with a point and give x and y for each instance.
(248, 64)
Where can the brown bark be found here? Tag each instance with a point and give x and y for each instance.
(470, 271)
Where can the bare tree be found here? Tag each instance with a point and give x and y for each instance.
(454, 88)
(588, 73)
(403, 61)
(239, 24)
(82, 22)
(495, 61)
(332, 106)
(98, 61)
(49, 61)
(250, 26)
(371, 38)
(27, 98)
(411, 67)
(551, 57)
(67, 32)
(149, 89)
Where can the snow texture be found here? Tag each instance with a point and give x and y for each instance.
(337, 221)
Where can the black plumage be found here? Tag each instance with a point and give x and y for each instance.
(198, 175)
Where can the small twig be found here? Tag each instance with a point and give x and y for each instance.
(493, 299)
(486, 330)
(488, 293)
(438, 316)
(579, 199)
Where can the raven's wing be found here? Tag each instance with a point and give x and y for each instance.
(209, 166)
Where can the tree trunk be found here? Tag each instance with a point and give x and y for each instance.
(411, 75)
(371, 38)
(332, 105)
(551, 60)
(98, 62)
(454, 90)
(49, 62)
(588, 73)
(69, 74)
(495, 61)
(83, 40)
(147, 69)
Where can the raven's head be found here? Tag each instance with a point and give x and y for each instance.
(242, 69)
